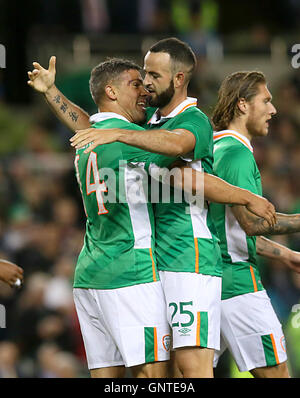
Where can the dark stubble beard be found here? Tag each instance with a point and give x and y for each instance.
(252, 126)
(163, 98)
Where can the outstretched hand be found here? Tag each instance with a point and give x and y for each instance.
(42, 79)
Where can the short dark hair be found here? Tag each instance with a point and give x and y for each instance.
(237, 85)
(180, 53)
(107, 72)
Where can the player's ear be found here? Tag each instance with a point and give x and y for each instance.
(242, 105)
(179, 79)
(110, 92)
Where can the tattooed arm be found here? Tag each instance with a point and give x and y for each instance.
(268, 248)
(67, 112)
(253, 225)
(42, 80)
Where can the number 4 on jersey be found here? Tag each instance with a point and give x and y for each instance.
(96, 186)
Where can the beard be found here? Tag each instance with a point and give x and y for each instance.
(163, 99)
(254, 127)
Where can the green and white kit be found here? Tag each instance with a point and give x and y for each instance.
(234, 162)
(186, 238)
(119, 243)
(249, 325)
(186, 243)
(117, 291)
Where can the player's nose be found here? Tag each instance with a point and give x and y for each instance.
(273, 110)
(144, 90)
(147, 80)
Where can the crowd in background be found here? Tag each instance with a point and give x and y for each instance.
(42, 221)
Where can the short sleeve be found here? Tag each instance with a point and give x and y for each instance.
(237, 167)
(200, 126)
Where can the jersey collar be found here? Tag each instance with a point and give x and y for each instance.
(234, 134)
(100, 116)
(187, 103)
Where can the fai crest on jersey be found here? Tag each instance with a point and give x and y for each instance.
(282, 343)
(166, 340)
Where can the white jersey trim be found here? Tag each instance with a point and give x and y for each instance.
(187, 103)
(199, 213)
(136, 198)
(236, 238)
(100, 116)
(234, 134)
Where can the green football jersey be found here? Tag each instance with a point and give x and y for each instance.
(186, 240)
(234, 162)
(119, 243)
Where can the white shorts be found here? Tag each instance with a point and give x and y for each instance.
(251, 331)
(125, 326)
(193, 308)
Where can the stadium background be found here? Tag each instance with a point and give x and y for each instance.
(41, 215)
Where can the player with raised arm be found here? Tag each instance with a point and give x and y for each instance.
(249, 325)
(117, 292)
(186, 246)
(42, 80)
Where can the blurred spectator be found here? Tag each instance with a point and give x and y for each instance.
(66, 365)
(9, 356)
(45, 360)
(54, 363)
(148, 15)
(194, 16)
(95, 16)
(58, 294)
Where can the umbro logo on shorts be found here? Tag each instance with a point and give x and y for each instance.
(184, 331)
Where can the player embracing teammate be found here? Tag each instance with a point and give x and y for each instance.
(187, 248)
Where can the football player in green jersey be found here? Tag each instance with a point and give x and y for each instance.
(187, 247)
(249, 325)
(117, 292)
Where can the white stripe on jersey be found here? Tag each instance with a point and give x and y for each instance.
(137, 203)
(199, 213)
(236, 238)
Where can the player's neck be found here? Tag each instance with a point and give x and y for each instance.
(176, 100)
(240, 127)
(115, 109)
